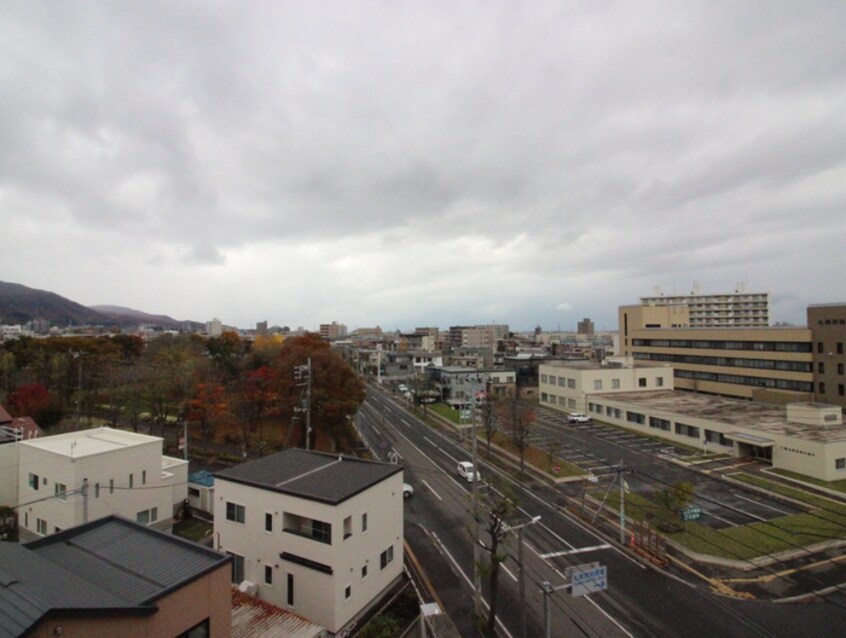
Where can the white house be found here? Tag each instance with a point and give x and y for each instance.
(318, 534)
(68, 479)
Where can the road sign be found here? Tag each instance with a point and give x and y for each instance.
(691, 513)
(587, 579)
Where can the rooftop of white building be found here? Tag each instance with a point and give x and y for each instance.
(89, 442)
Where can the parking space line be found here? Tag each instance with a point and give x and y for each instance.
(762, 504)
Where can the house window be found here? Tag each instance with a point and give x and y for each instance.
(201, 630)
(33, 481)
(641, 383)
(597, 384)
(321, 531)
(41, 526)
(131, 481)
(145, 517)
(363, 572)
(347, 527)
(290, 594)
(237, 568)
(235, 513)
(111, 486)
(364, 522)
(268, 522)
(193, 491)
(143, 477)
(348, 592)
(60, 491)
(840, 464)
(615, 384)
(96, 490)
(268, 574)
(659, 382)
(386, 557)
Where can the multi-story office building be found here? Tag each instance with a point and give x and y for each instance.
(334, 330)
(827, 323)
(737, 309)
(477, 336)
(585, 327)
(771, 364)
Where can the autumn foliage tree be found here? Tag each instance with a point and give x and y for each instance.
(207, 408)
(35, 401)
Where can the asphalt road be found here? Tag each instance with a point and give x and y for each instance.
(640, 600)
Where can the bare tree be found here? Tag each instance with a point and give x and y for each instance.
(489, 422)
(519, 418)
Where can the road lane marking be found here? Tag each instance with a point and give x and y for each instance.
(508, 571)
(762, 504)
(579, 550)
(431, 489)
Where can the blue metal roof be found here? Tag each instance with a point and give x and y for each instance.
(203, 478)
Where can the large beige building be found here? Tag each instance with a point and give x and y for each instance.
(768, 364)
(485, 336)
(319, 535)
(807, 438)
(738, 309)
(827, 323)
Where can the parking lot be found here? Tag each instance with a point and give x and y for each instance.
(654, 465)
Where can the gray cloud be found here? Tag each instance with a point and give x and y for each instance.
(422, 162)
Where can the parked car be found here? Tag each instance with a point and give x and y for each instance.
(402, 387)
(466, 471)
(407, 490)
(578, 417)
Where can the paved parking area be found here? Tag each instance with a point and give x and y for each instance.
(598, 447)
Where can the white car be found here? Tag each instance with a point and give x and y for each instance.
(465, 470)
(407, 490)
(402, 387)
(578, 417)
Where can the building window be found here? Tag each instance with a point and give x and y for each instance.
(96, 490)
(544, 397)
(363, 572)
(348, 592)
(111, 486)
(201, 630)
(131, 481)
(41, 526)
(268, 574)
(840, 389)
(659, 382)
(571, 384)
(597, 384)
(290, 595)
(386, 557)
(543, 378)
(615, 384)
(145, 517)
(840, 369)
(235, 513)
(268, 522)
(193, 492)
(840, 464)
(33, 481)
(820, 347)
(237, 568)
(143, 477)
(347, 527)
(822, 388)
(364, 522)
(821, 367)
(641, 383)
(60, 491)
(839, 347)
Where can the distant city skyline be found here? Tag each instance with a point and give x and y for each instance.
(423, 163)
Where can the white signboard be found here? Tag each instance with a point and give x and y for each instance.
(587, 579)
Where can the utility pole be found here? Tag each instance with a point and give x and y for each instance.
(522, 575)
(477, 558)
(547, 591)
(84, 501)
(78, 357)
(620, 474)
(308, 407)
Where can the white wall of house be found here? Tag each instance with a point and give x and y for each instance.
(9, 474)
(355, 561)
(127, 475)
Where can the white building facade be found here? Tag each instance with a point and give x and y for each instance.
(317, 534)
(68, 479)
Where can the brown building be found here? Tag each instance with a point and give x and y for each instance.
(772, 364)
(827, 323)
(114, 577)
(585, 327)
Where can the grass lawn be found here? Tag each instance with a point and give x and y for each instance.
(192, 528)
(827, 521)
(839, 486)
(445, 411)
(535, 457)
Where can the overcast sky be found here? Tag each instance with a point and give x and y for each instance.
(422, 163)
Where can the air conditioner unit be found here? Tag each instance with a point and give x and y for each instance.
(248, 587)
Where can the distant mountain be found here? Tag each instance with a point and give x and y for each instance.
(121, 315)
(19, 304)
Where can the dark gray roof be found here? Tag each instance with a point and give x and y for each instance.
(110, 566)
(316, 476)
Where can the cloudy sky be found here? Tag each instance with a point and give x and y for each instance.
(422, 163)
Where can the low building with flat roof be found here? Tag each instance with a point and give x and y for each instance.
(806, 438)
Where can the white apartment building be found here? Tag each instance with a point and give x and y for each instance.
(738, 309)
(65, 480)
(317, 534)
(567, 385)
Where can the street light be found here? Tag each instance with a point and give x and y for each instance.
(520, 529)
